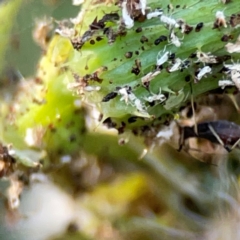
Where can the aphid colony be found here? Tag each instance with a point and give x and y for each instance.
(164, 56)
(199, 64)
(130, 98)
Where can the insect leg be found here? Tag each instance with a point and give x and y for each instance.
(218, 138)
(193, 109)
(235, 144)
(181, 138)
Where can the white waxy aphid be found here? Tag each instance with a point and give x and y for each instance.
(206, 57)
(225, 83)
(77, 2)
(128, 21)
(124, 93)
(65, 32)
(234, 66)
(234, 70)
(148, 77)
(129, 97)
(233, 47)
(143, 6)
(203, 72)
(176, 66)
(162, 58)
(156, 97)
(156, 13)
(235, 75)
(139, 105)
(169, 21)
(174, 39)
(91, 88)
(220, 19)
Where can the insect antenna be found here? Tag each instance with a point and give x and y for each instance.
(233, 99)
(235, 144)
(217, 136)
(193, 110)
(181, 138)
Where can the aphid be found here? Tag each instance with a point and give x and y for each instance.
(148, 77)
(78, 42)
(6, 161)
(192, 55)
(160, 39)
(176, 66)
(142, 6)
(139, 106)
(234, 70)
(138, 30)
(233, 47)
(174, 39)
(203, 72)
(156, 97)
(109, 17)
(185, 28)
(128, 54)
(206, 57)
(128, 21)
(155, 13)
(126, 93)
(235, 20)
(199, 27)
(109, 123)
(92, 88)
(220, 20)
(129, 97)
(42, 30)
(225, 83)
(161, 59)
(109, 96)
(187, 78)
(143, 39)
(226, 38)
(92, 42)
(137, 67)
(132, 119)
(220, 132)
(110, 35)
(172, 56)
(171, 22)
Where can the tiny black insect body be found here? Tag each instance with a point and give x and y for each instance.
(109, 96)
(220, 132)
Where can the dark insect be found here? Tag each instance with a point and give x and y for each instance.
(138, 30)
(143, 39)
(109, 96)
(188, 29)
(111, 17)
(6, 161)
(128, 54)
(136, 69)
(235, 20)
(199, 27)
(220, 132)
(162, 38)
(226, 38)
